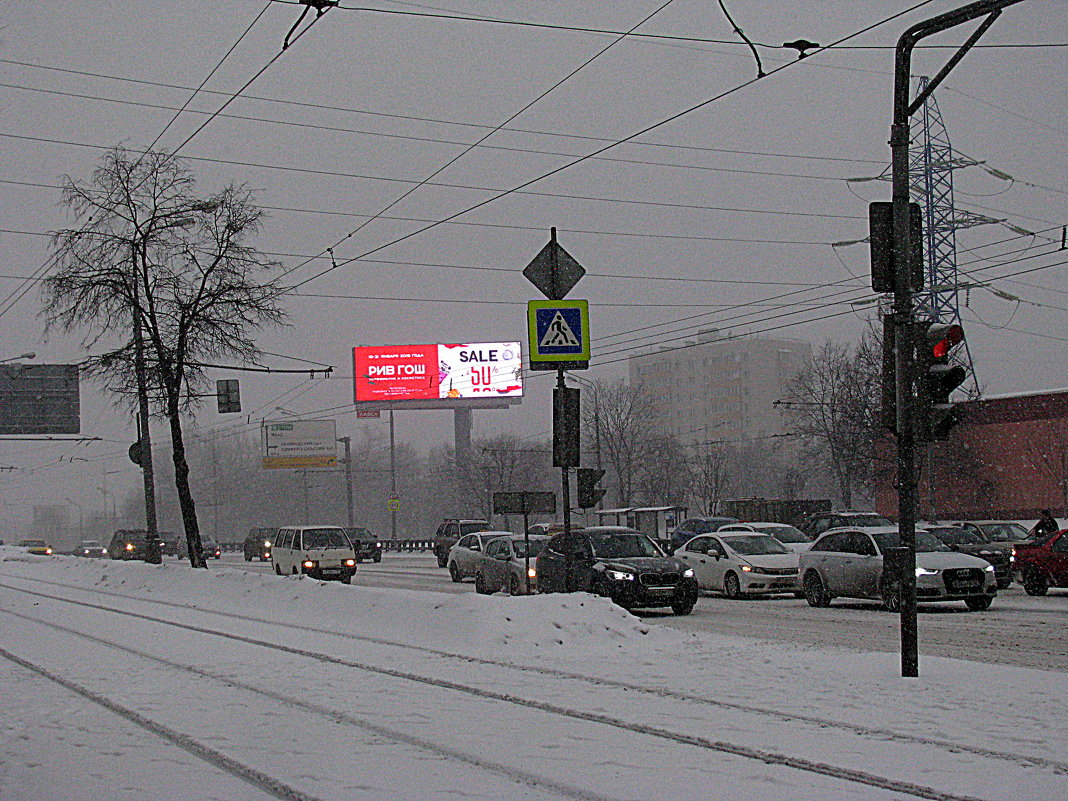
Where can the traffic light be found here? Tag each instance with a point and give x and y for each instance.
(588, 493)
(936, 379)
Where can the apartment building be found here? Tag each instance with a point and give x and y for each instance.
(721, 386)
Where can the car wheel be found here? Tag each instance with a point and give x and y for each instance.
(980, 603)
(376, 558)
(513, 585)
(442, 560)
(278, 569)
(1034, 582)
(815, 593)
(891, 595)
(732, 588)
(480, 584)
(454, 573)
(248, 558)
(684, 606)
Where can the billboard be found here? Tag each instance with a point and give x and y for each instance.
(478, 374)
(39, 399)
(299, 443)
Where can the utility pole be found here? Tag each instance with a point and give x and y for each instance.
(904, 306)
(392, 476)
(347, 442)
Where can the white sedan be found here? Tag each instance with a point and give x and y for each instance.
(789, 536)
(740, 563)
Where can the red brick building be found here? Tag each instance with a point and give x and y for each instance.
(1008, 459)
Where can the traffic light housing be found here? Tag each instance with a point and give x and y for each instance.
(936, 379)
(588, 493)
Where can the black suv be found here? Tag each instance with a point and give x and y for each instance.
(450, 531)
(168, 543)
(257, 544)
(691, 527)
(618, 563)
(816, 524)
(365, 544)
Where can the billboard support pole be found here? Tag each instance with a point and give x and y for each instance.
(392, 475)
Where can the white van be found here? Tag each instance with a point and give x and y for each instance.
(322, 552)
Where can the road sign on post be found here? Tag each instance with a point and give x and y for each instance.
(553, 271)
(559, 334)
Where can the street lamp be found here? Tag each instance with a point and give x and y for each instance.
(30, 355)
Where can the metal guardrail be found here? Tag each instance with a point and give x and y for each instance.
(407, 545)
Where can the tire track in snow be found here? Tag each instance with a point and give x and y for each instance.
(761, 755)
(244, 772)
(871, 732)
(513, 774)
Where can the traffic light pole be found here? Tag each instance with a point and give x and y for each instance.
(904, 308)
(565, 471)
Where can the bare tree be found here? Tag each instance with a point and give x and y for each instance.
(627, 418)
(834, 406)
(146, 248)
(664, 477)
(712, 474)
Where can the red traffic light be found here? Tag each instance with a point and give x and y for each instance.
(942, 339)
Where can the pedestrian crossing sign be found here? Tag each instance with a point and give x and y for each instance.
(559, 333)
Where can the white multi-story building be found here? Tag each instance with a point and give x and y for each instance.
(720, 387)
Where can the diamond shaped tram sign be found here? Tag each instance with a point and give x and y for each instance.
(554, 271)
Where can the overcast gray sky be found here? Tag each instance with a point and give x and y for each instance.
(708, 219)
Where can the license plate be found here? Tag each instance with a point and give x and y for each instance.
(965, 585)
(661, 590)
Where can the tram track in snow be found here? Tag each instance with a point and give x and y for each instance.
(871, 732)
(769, 757)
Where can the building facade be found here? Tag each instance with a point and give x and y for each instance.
(720, 388)
(1007, 460)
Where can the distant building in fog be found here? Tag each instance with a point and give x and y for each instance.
(720, 388)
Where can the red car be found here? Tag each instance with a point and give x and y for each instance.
(1042, 563)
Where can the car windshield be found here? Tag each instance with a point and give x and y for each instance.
(619, 545)
(91, 544)
(864, 521)
(924, 542)
(520, 548)
(34, 544)
(325, 538)
(1004, 532)
(754, 544)
(957, 536)
(781, 533)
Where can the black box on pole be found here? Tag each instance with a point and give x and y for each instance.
(565, 427)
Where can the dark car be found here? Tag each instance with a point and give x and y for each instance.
(134, 543)
(90, 548)
(971, 542)
(619, 563)
(450, 531)
(816, 524)
(168, 543)
(257, 544)
(691, 527)
(209, 548)
(365, 544)
(1043, 562)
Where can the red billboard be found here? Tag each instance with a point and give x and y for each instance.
(453, 373)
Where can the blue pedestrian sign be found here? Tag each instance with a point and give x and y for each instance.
(559, 334)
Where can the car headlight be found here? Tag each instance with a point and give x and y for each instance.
(989, 569)
(378, 545)
(266, 543)
(619, 575)
(687, 573)
(48, 551)
(532, 573)
(747, 568)
(923, 571)
(350, 563)
(308, 564)
(129, 546)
